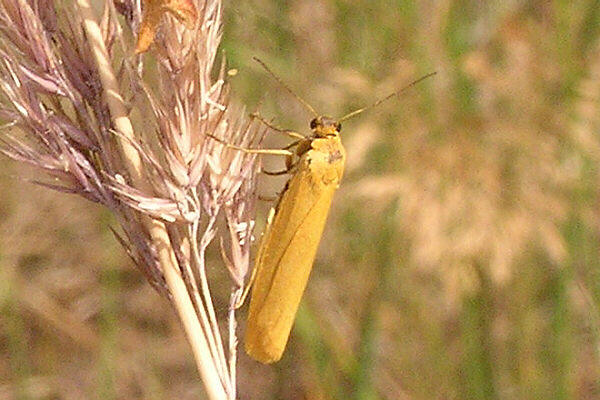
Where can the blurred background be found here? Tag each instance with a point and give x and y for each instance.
(461, 256)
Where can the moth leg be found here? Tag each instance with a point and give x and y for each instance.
(289, 162)
(288, 132)
(268, 198)
(242, 299)
(278, 152)
(294, 144)
(276, 173)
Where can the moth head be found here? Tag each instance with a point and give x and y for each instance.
(323, 126)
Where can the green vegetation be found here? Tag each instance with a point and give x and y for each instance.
(461, 257)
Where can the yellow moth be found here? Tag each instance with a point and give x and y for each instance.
(289, 244)
(290, 241)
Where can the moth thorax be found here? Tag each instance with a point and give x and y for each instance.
(325, 126)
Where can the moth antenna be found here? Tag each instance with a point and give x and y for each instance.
(286, 87)
(378, 102)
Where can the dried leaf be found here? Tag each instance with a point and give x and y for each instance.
(184, 10)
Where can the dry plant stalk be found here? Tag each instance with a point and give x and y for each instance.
(80, 108)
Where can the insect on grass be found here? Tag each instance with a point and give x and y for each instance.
(289, 244)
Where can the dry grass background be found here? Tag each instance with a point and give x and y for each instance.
(461, 257)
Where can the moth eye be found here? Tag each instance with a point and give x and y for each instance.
(313, 123)
(338, 127)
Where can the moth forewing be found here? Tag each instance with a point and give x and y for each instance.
(289, 246)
